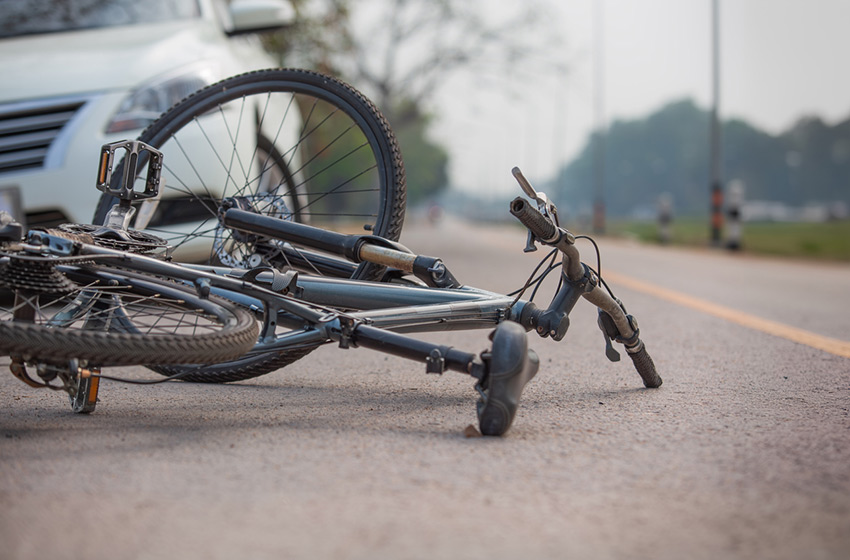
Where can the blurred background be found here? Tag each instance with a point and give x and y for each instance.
(612, 101)
(628, 114)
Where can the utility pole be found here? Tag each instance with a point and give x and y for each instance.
(716, 185)
(599, 113)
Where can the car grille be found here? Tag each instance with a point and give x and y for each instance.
(28, 130)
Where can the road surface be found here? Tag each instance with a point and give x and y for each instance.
(744, 452)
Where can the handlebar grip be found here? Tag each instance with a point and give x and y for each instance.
(645, 367)
(537, 223)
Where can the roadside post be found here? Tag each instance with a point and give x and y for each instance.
(734, 207)
(665, 218)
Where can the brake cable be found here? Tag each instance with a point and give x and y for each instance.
(532, 279)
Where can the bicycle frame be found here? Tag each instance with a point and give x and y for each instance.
(310, 303)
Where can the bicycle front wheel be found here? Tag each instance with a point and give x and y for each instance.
(288, 143)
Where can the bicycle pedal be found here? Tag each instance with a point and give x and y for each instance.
(84, 400)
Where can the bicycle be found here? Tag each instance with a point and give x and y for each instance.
(87, 297)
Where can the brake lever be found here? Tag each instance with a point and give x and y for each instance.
(530, 245)
(523, 183)
(544, 206)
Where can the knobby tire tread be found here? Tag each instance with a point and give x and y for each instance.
(108, 348)
(238, 370)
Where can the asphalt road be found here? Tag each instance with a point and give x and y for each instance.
(744, 452)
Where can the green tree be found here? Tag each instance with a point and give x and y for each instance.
(664, 153)
(425, 162)
(668, 152)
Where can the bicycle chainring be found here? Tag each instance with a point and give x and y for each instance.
(132, 241)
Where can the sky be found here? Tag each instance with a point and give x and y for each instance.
(780, 60)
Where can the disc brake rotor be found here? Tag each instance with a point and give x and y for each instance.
(240, 250)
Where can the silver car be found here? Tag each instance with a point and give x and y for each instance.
(77, 74)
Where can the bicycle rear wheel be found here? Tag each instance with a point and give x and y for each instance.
(52, 313)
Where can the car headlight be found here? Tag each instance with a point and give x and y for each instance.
(150, 100)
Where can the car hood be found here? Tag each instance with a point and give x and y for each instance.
(101, 60)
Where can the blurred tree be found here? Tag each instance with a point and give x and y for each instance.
(321, 30)
(818, 159)
(399, 52)
(426, 162)
(668, 152)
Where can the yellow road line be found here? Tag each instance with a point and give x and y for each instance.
(825, 343)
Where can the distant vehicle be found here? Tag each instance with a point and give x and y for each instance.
(78, 74)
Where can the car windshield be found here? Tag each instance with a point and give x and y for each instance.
(27, 17)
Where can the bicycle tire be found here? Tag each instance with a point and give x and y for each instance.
(240, 369)
(111, 319)
(342, 162)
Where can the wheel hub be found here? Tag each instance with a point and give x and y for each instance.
(246, 250)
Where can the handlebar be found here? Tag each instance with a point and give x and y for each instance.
(538, 224)
(645, 367)
(623, 328)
